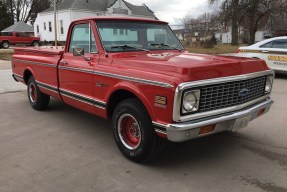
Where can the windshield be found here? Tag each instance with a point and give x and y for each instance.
(118, 36)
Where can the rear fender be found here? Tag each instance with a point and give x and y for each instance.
(24, 73)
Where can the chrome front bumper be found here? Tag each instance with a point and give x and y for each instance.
(190, 130)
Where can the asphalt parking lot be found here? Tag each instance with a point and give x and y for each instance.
(67, 150)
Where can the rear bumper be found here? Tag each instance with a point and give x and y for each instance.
(190, 130)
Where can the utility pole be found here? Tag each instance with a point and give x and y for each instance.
(55, 22)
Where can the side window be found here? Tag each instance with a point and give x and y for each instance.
(50, 26)
(280, 44)
(17, 34)
(23, 34)
(83, 37)
(267, 45)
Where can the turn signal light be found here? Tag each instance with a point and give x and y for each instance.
(206, 129)
(261, 112)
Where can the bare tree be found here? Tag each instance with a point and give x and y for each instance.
(232, 13)
(252, 13)
(27, 10)
(259, 11)
(5, 20)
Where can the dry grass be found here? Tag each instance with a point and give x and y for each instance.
(218, 49)
(6, 54)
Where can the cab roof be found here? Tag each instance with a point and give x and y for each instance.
(102, 18)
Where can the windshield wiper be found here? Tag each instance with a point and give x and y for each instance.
(128, 47)
(162, 45)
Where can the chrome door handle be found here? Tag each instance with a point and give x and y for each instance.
(265, 51)
(64, 62)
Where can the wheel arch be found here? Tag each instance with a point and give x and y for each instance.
(35, 41)
(28, 72)
(122, 92)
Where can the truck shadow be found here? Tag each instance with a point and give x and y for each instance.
(98, 131)
(281, 76)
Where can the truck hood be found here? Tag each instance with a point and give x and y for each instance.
(187, 66)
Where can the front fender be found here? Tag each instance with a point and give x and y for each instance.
(128, 86)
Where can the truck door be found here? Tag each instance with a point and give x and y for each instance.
(17, 38)
(25, 38)
(76, 71)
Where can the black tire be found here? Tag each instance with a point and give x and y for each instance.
(38, 100)
(145, 148)
(5, 45)
(35, 43)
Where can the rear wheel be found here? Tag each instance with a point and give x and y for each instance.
(35, 43)
(38, 100)
(134, 133)
(5, 45)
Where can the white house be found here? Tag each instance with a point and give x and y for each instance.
(225, 37)
(70, 10)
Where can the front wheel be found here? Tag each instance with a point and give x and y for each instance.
(38, 100)
(5, 45)
(134, 133)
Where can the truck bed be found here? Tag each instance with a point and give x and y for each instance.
(42, 62)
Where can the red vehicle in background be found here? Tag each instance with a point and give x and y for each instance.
(136, 73)
(13, 38)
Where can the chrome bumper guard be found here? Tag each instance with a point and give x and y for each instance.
(190, 130)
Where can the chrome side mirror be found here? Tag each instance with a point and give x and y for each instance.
(78, 51)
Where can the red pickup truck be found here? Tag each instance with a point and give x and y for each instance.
(13, 38)
(136, 73)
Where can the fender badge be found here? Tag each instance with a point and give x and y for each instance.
(160, 101)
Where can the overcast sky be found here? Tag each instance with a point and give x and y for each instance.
(173, 11)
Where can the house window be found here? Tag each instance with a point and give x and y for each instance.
(62, 27)
(50, 26)
(121, 31)
(115, 31)
(45, 26)
(37, 28)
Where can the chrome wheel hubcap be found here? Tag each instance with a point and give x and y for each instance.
(129, 131)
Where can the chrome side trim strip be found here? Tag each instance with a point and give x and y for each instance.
(48, 87)
(35, 63)
(133, 79)
(84, 99)
(76, 69)
(18, 76)
(160, 131)
(179, 90)
(122, 77)
(73, 95)
(159, 125)
(160, 128)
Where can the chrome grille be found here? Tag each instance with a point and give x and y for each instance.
(220, 96)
